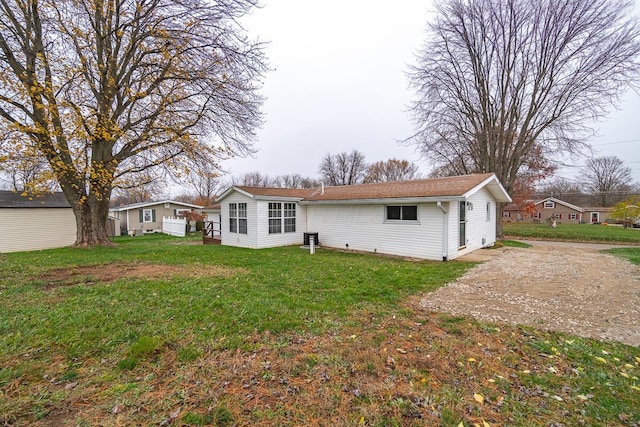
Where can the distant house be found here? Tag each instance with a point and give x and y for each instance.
(438, 219)
(551, 208)
(30, 223)
(146, 217)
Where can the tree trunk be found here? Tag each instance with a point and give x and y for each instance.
(91, 222)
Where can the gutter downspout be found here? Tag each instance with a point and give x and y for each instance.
(445, 231)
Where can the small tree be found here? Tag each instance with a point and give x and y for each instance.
(627, 211)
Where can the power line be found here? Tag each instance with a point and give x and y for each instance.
(616, 142)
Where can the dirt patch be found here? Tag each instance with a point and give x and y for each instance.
(567, 287)
(89, 274)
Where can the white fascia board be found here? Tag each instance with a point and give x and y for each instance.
(383, 201)
(494, 187)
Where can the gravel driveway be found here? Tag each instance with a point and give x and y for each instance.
(568, 287)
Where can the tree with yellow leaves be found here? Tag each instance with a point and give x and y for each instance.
(108, 89)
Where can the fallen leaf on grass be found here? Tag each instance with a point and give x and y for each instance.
(478, 398)
(601, 360)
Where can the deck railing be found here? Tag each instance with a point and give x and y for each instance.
(211, 232)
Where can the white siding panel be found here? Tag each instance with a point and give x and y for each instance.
(480, 231)
(249, 240)
(266, 240)
(363, 228)
(27, 229)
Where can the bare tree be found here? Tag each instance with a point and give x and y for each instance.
(564, 189)
(391, 170)
(500, 79)
(343, 168)
(253, 179)
(608, 179)
(146, 188)
(105, 89)
(295, 180)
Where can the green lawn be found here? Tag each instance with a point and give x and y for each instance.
(160, 331)
(573, 232)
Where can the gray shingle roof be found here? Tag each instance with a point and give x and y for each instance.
(12, 199)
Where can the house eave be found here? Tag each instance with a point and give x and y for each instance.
(384, 201)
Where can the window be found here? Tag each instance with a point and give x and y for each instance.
(275, 218)
(549, 205)
(282, 216)
(238, 218)
(242, 218)
(289, 217)
(573, 216)
(557, 215)
(488, 211)
(233, 217)
(147, 215)
(537, 215)
(402, 213)
(506, 214)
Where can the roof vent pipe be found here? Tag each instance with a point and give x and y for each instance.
(322, 188)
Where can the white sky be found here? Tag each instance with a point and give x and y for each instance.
(339, 84)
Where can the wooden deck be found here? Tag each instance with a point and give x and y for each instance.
(211, 234)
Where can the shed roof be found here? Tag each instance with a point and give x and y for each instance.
(14, 199)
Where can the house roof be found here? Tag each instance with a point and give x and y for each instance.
(561, 202)
(435, 188)
(146, 204)
(13, 199)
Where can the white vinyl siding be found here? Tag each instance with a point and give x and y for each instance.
(364, 228)
(28, 229)
(296, 218)
(479, 232)
(248, 240)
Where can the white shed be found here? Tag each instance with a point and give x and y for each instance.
(438, 219)
(30, 223)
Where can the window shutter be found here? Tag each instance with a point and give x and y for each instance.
(153, 215)
(175, 212)
(141, 216)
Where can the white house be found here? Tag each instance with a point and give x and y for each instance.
(439, 219)
(29, 223)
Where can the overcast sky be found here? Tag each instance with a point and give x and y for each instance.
(338, 83)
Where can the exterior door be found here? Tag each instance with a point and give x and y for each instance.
(595, 217)
(463, 224)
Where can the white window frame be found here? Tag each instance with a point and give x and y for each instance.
(557, 215)
(402, 215)
(506, 214)
(549, 204)
(281, 217)
(238, 218)
(488, 211)
(144, 215)
(573, 216)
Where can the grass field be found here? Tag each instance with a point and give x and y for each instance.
(573, 232)
(162, 331)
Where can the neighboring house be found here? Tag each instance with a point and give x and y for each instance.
(439, 219)
(597, 214)
(551, 208)
(29, 223)
(146, 217)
